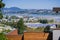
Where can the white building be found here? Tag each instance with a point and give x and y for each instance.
(8, 28)
(1, 29)
(4, 19)
(53, 26)
(5, 28)
(56, 34)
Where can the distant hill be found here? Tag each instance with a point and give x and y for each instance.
(12, 9)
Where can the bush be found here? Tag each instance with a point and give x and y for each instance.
(2, 36)
(47, 28)
(44, 21)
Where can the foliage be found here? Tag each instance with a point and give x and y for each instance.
(58, 26)
(47, 28)
(43, 21)
(7, 23)
(1, 0)
(51, 21)
(1, 15)
(41, 29)
(2, 36)
(28, 29)
(38, 29)
(7, 31)
(1, 6)
(20, 26)
(14, 17)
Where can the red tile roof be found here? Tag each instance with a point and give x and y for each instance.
(27, 35)
(35, 36)
(14, 32)
(14, 37)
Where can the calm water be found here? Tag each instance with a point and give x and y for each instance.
(34, 15)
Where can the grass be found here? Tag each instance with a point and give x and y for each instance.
(40, 29)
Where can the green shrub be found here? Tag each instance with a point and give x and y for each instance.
(2, 36)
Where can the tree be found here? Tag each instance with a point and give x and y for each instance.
(20, 26)
(47, 28)
(43, 21)
(1, 15)
(1, 6)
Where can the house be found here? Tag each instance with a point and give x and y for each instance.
(56, 9)
(13, 35)
(0, 20)
(35, 36)
(4, 19)
(1, 29)
(8, 27)
(25, 19)
(56, 34)
(53, 26)
(15, 20)
(13, 32)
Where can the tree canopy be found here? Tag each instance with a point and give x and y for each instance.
(20, 26)
(1, 15)
(47, 28)
(1, 6)
(43, 21)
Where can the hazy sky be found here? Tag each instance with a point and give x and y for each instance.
(32, 4)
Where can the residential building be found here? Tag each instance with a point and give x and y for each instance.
(56, 34)
(13, 35)
(56, 9)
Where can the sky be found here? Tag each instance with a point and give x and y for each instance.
(32, 4)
